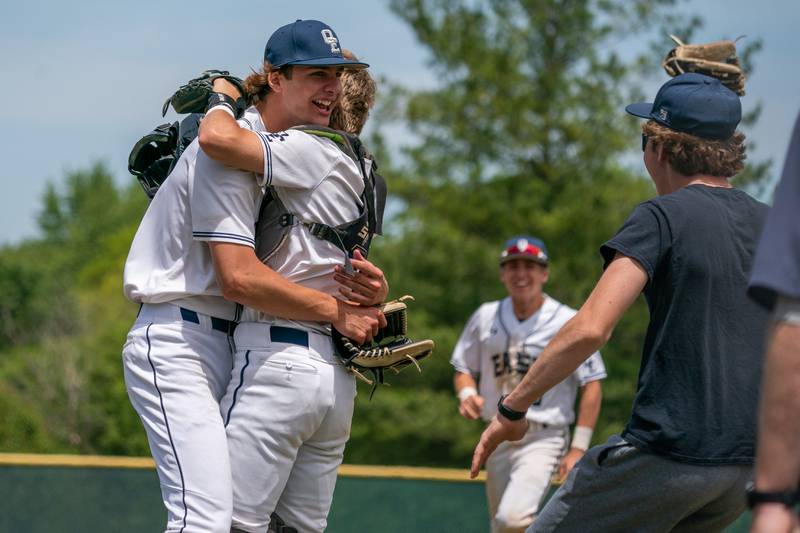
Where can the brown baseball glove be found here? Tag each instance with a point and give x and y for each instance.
(391, 349)
(717, 59)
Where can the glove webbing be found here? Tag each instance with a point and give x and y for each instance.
(377, 373)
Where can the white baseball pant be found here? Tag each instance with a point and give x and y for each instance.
(177, 365)
(518, 475)
(287, 410)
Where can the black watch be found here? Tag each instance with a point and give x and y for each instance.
(754, 497)
(507, 411)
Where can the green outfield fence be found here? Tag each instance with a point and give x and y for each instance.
(87, 494)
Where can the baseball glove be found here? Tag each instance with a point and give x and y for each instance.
(717, 59)
(391, 349)
(192, 97)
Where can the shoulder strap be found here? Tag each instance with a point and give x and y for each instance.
(374, 184)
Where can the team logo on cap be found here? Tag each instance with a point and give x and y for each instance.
(663, 114)
(522, 248)
(330, 39)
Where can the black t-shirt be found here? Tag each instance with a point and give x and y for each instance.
(697, 393)
(777, 264)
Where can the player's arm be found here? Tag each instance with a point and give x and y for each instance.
(591, 396)
(584, 334)
(470, 403)
(223, 140)
(778, 460)
(246, 280)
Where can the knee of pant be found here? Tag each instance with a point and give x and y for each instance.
(509, 522)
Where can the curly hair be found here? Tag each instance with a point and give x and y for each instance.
(349, 114)
(690, 155)
(358, 97)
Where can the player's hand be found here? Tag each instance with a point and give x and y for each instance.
(358, 322)
(368, 286)
(221, 85)
(499, 430)
(774, 518)
(472, 407)
(573, 456)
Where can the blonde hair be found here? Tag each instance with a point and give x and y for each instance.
(690, 155)
(358, 97)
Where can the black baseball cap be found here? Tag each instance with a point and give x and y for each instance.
(307, 43)
(695, 104)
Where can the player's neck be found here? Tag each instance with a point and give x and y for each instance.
(273, 116)
(673, 181)
(527, 307)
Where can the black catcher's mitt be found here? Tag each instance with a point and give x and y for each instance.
(390, 349)
(192, 97)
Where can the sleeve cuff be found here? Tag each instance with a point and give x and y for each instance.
(216, 236)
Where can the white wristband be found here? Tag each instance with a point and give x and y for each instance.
(222, 107)
(582, 438)
(787, 310)
(466, 392)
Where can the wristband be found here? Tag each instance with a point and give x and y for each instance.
(582, 438)
(221, 107)
(466, 392)
(754, 497)
(507, 412)
(220, 99)
(787, 310)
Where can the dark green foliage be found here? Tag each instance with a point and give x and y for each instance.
(65, 319)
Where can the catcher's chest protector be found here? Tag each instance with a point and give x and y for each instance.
(274, 220)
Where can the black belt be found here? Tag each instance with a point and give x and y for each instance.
(219, 324)
(288, 335)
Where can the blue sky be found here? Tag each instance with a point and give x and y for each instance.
(85, 79)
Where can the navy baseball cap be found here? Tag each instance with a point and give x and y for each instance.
(525, 247)
(695, 104)
(308, 43)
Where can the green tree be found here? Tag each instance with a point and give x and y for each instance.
(524, 133)
(64, 322)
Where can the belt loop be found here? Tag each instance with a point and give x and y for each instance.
(288, 335)
(190, 316)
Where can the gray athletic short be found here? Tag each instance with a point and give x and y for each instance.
(619, 488)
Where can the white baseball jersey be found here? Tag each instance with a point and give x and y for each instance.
(165, 263)
(497, 349)
(289, 406)
(315, 181)
(177, 358)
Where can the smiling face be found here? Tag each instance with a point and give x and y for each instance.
(307, 95)
(523, 279)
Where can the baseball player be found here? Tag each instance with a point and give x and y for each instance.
(178, 358)
(496, 348)
(682, 461)
(289, 405)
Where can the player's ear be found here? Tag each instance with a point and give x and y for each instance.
(545, 274)
(275, 81)
(661, 154)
